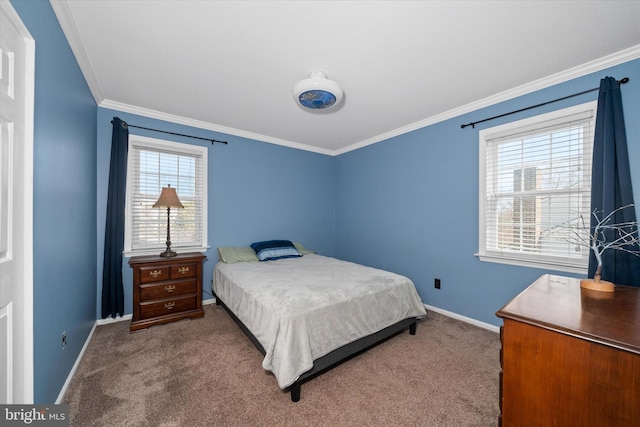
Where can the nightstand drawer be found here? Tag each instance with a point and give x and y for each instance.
(154, 273)
(169, 289)
(167, 306)
(180, 271)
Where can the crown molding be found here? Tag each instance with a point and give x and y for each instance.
(561, 77)
(154, 114)
(70, 30)
(543, 83)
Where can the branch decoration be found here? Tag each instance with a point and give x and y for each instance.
(606, 235)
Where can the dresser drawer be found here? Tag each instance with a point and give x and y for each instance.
(169, 289)
(167, 306)
(179, 271)
(154, 273)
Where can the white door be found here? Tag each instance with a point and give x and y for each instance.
(17, 59)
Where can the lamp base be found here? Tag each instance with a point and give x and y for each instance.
(168, 253)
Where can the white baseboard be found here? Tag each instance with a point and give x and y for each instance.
(113, 319)
(63, 391)
(98, 322)
(492, 328)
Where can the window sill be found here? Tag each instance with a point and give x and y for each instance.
(542, 264)
(157, 251)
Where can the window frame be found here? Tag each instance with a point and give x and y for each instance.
(577, 265)
(179, 148)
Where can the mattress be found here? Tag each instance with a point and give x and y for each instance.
(300, 309)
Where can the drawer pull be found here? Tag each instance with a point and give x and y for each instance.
(169, 305)
(170, 288)
(183, 270)
(155, 273)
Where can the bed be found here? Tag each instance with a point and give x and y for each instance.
(306, 313)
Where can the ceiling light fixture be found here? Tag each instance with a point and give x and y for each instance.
(317, 92)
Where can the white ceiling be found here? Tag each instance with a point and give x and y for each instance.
(230, 66)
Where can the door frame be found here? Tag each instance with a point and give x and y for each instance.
(23, 361)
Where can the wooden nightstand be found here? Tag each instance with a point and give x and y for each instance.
(166, 289)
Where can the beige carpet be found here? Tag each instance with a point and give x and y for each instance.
(205, 372)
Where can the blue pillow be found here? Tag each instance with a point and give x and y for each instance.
(270, 250)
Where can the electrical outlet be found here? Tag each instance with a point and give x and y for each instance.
(64, 339)
(436, 283)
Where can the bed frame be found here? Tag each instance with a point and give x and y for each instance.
(336, 356)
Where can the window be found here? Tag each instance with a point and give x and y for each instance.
(153, 164)
(535, 190)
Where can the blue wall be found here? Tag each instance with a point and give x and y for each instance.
(410, 204)
(64, 199)
(257, 191)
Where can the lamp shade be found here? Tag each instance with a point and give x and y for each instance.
(317, 92)
(168, 199)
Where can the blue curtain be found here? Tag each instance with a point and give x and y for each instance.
(112, 289)
(611, 183)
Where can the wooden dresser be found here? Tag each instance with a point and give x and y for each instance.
(570, 356)
(166, 289)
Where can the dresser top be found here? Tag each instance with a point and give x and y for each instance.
(558, 303)
(158, 259)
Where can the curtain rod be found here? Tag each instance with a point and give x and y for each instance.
(473, 124)
(175, 133)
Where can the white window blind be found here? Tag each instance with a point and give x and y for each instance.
(536, 189)
(152, 165)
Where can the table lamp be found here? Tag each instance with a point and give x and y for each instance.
(169, 199)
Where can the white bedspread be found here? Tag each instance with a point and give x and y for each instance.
(300, 309)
